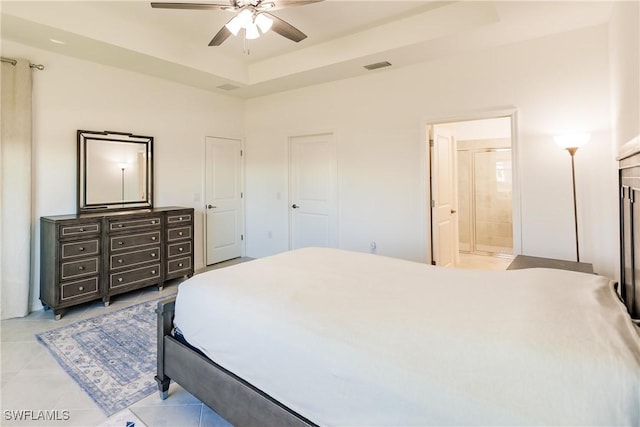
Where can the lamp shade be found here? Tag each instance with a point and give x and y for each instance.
(241, 20)
(572, 140)
(252, 31)
(264, 23)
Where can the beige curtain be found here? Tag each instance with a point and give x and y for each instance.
(16, 212)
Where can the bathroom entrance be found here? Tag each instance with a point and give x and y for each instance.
(482, 184)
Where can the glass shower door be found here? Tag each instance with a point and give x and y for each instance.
(484, 201)
(492, 194)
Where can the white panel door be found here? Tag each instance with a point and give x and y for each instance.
(224, 218)
(443, 196)
(313, 191)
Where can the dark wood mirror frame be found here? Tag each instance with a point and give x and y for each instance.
(115, 171)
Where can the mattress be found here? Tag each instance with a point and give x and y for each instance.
(354, 339)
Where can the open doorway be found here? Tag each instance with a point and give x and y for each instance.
(472, 160)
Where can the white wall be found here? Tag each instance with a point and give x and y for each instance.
(71, 94)
(624, 31)
(558, 83)
(481, 129)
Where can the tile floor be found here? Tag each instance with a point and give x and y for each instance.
(32, 380)
(483, 262)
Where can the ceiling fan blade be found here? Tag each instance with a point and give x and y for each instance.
(193, 6)
(220, 37)
(281, 4)
(286, 30)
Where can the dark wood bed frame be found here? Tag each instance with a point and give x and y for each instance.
(629, 187)
(242, 404)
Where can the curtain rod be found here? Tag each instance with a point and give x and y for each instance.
(14, 62)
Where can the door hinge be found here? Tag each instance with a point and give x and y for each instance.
(242, 237)
(241, 194)
(431, 143)
(241, 153)
(433, 203)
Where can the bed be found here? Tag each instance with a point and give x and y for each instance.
(330, 337)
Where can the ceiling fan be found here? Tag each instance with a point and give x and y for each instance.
(251, 15)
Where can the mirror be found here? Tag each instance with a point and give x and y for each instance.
(115, 171)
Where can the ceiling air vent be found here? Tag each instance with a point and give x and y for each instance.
(378, 65)
(228, 86)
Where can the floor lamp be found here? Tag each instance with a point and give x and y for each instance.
(571, 143)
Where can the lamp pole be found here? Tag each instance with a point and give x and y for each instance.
(571, 142)
(572, 152)
(122, 184)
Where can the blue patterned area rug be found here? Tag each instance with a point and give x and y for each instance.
(112, 357)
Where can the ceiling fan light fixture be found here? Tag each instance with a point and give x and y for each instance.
(263, 22)
(251, 31)
(235, 25)
(245, 17)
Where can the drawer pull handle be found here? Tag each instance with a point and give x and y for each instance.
(120, 225)
(81, 230)
(153, 222)
(81, 288)
(119, 279)
(180, 219)
(153, 238)
(153, 254)
(120, 261)
(121, 242)
(80, 268)
(180, 249)
(180, 233)
(180, 265)
(153, 272)
(81, 249)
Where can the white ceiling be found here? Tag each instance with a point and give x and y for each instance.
(343, 36)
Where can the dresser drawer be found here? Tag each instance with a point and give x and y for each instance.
(83, 267)
(79, 230)
(180, 264)
(149, 273)
(79, 288)
(129, 241)
(178, 233)
(179, 219)
(132, 224)
(127, 259)
(81, 248)
(180, 248)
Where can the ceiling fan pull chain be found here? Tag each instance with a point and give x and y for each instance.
(245, 49)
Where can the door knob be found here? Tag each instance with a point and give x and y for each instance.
(453, 211)
(211, 207)
(294, 206)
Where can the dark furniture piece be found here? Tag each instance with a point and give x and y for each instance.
(629, 190)
(89, 256)
(525, 261)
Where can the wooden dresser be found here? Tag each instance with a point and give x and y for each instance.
(97, 255)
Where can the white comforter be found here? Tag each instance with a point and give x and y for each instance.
(353, 339)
